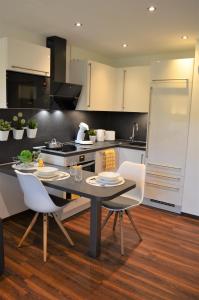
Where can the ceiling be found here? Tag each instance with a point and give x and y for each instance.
(107, 24)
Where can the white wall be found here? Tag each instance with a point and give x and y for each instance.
(190, 202)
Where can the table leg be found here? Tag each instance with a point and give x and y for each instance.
(95, 229)
(1, 249)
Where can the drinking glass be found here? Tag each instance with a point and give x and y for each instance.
(73, 165)
(78, 173)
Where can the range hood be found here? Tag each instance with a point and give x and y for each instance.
(64, 95)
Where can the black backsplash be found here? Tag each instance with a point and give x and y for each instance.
(64, 126)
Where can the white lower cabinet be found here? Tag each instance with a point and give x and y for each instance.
(133, 155)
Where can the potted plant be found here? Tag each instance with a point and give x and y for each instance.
(5, 128)
(32, 129)
(18, 126)
(92, 135)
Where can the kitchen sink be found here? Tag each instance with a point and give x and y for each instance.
(138, 143)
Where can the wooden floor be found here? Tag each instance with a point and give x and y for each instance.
(164, 266)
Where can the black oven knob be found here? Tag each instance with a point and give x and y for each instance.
(81, 158)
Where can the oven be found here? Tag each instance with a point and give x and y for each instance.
(86, 165)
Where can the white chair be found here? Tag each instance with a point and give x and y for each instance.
(124, 203)
(37, 199)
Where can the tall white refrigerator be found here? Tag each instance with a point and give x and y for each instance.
(170, 101)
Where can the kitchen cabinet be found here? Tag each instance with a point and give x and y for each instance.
(190, 203)
(22, 57)
(107, 88)
(98, 81)
(26, 57)
(136, 88)
(133, 155)
(169, 114)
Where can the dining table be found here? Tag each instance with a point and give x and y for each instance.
(96, 194)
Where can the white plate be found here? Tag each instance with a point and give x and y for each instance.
(93, 181)
(109, 176)
(102, 181)
(59, 176)
(22, 167)
(47, 171)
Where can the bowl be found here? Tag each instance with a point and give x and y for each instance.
(46, 171)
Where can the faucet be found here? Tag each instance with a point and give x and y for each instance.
(135, 128)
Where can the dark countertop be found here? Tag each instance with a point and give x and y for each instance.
(81, 149)
(81, 188)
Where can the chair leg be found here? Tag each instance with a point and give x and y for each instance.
(32, 223)
(121, 232)
(63, 230)
(106, 219)
(45, 236)
(133, 224)
(115, 220)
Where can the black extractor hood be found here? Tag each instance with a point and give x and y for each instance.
(64, 95)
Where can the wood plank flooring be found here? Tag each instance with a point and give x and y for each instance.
(165, 265)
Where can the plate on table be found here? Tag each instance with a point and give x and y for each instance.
(25, 167)
(59, 175)
(47, 171)
(95, 180)
(111, 177)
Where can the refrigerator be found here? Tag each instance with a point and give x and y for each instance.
(168, 128)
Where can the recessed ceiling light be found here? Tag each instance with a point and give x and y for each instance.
(124, 45)
(151, 8)
(184, 37)
(78, 24)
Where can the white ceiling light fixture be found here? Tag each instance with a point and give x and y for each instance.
(151, 8)
(184, 37)
(124, 45)
(78, 24)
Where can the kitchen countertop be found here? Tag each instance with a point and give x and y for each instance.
(81, 149)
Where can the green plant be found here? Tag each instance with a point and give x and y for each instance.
(18, 121)
(4, 125)
(92, 132)
(32, 124)
(25, 156)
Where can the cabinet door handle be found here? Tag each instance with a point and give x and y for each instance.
(148, 125)
(123, 91)
(163, 187)
(163, 176)
(142, 158)
(29, 69)
(164, 166)
(89, 93)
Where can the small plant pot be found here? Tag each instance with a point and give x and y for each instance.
(31, 133)
(92, 138)
(18, 134)
(4, 135)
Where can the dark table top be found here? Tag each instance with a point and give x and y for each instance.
(82, 188)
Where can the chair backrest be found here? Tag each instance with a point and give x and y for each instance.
(135, 172)
(35, 195)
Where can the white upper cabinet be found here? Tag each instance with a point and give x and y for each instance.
(136, 89)
(26, 57)
(111, 89)
(98, 81)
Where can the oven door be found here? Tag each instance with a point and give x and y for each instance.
(88, 166)
(27, 90)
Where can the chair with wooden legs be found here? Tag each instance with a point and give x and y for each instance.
(124, 203)
(37, 199)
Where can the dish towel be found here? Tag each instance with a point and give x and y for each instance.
(109, 160)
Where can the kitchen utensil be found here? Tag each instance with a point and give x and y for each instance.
(109, 135)
(54, 144)
(100, 135)
(81, 133)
